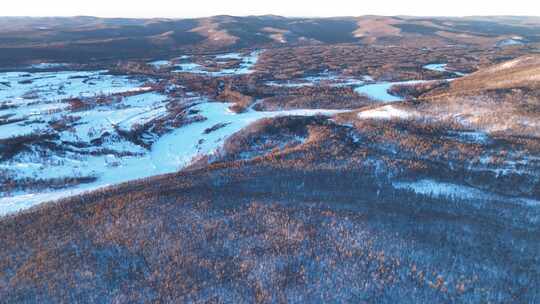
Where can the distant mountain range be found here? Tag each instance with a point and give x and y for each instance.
(25, 39)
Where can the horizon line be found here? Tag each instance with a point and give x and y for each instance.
(273, 15)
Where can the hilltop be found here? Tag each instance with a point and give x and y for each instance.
(501, 98)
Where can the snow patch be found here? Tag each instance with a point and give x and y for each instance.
(229, 56)
(379, 91)
(510, 42)
(442, 189)
(160, 63)
(385, 112)
(438, 67)
(47, 65)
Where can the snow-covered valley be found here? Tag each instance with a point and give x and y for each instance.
(67, 132)
(269, 159)
(81, 125)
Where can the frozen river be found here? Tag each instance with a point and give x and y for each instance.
(63, 142)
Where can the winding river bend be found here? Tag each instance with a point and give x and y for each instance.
(168, 154)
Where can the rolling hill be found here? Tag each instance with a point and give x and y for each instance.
(264, 159)
(355, 207)
(81, 39)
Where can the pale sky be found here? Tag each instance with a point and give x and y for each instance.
(201, 8)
